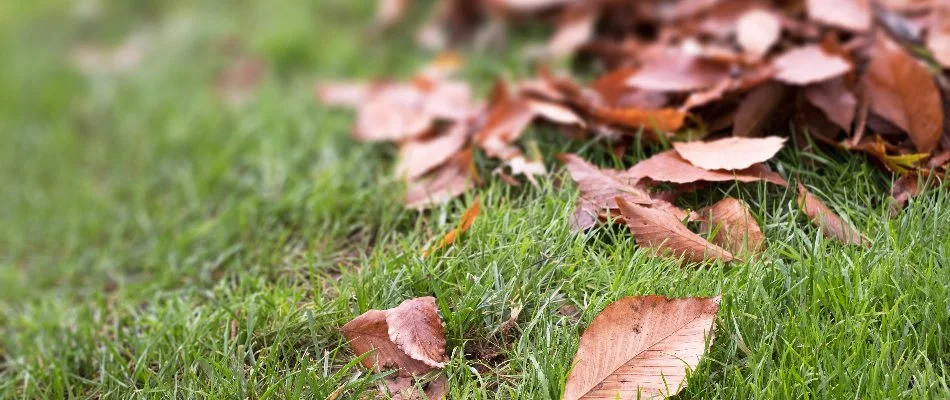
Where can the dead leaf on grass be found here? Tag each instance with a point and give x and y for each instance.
(831, 225)
(809, 64)
(662, 232)
(735, 227)
(642, 347)
(669, 166)
(468, 218)
(734, 153)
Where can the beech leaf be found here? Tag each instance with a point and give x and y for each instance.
(676, 71)
(408, 337)
(642, 347)
(662, 232)
(757, 108)
(416, 157)
(447, 181)
(834, 99)
(903, 92)
(757, 31)
(734, 153)
(938, 36)
(599, 188)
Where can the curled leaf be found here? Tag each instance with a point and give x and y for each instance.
(666, 235)
(832, 226)
(669, 166)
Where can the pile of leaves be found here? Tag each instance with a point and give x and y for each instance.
(713, 77)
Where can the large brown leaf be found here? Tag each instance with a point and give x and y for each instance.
(599, 188)
(669, 166)
(664, 234)
(853, 15)
(730, 153)
(903, 92)
(662, 120)
(832, 226)
(834, 99)
(736, 229)
(642, 347)
(809, 64)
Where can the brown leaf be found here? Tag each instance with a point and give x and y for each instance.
(738, 231)
(676, 71)
(402, 388)
(468, 218)
(416, 157)
(669, 166)
(507, 119)
(832, 226)
(852, 15)
(658, 230)
(834, 99)
(904, 93)
(599, 188)
(757, 31)
(641, 347)
(409, 337)
(757, 108)
(662, 120)
(555, 112)
(447, 181)
(809, 64)
(730, 153)
(938, 37)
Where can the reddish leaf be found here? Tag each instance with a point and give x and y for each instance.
(730, 153)
(853, 15)
(904, 188)
(757, 108)
(599, 188)
(658, 230)
(468, 218)
(903, 92)
(641, 347)
(738, 231)
(834, 99)
(575, 28)
(809, 64)
(757, 31)
(446, 182)
(669, 166)
(675, 71)
(832, 226)
(506, 121)
(409, 338)
(555, 112)
(416, 157)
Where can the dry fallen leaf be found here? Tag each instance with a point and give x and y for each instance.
(669, 166)
(736, 229)
(809, 64)
(730, 153)
(757, 31)
(903, 189)
(642, 347)
(409, 338)
(599, 188)
(904, 93)
(853, 15)
(575, 28)
(832, 226)
(666, 235)
(468, 218)
(416, 157)
(447, 181)
(834, 99)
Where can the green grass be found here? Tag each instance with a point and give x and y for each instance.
(142, 220)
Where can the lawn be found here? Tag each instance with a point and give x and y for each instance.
(157, 243)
